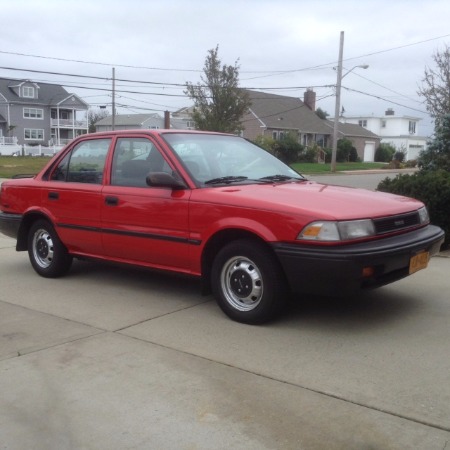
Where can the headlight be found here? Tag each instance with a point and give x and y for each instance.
(337, 231)
(423, 215)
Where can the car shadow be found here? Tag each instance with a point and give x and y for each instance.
(364, 310)
(134, 276)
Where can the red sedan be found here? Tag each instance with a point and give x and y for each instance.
(213, 206)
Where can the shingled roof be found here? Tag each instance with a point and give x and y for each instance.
(281, 112)
(49, 94)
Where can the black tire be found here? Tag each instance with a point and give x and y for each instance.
(248, 283)
(48, 255)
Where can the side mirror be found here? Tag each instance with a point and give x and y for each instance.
(164, 180)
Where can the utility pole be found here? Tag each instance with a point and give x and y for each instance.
(113, 123)
(337, 104)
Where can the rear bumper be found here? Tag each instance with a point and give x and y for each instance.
(339, 270)
(10, 224)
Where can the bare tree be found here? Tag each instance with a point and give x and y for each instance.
(94, 115)
(436, 85)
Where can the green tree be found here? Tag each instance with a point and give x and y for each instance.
(436, 85)
(437, 154)
(321, 113)
(219, 103)
(94, 115)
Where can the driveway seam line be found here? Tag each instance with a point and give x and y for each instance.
(324, 393)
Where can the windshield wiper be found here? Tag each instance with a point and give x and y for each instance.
(226, 180)
(279, 178)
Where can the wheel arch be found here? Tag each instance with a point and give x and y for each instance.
(216, 242)
(25, 225)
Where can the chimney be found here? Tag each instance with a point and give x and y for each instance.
(309, 99)
(389, 112)
(167, 120)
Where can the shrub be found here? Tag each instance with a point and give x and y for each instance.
(432, 188)
(308, 154)
(399, 156)
(384, 153)
(344, 150)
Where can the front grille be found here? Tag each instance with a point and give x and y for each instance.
(396, 223)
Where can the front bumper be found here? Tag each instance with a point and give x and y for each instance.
(338, 270)
(10, 224)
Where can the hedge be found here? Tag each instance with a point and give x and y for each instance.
(432, 188)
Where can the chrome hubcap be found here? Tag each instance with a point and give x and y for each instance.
(43, 248)
(242, 283)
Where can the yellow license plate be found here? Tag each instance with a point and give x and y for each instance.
(418, 262)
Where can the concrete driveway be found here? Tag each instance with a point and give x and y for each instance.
(111, 358)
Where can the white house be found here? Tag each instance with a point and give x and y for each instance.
(400, 131)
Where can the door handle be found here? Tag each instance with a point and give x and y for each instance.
(111, 201)
(53, 195)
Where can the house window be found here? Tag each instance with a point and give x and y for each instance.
(412, 127)
(33, 134)
(275, 135)
(33, 113)
(383, 124)
(362, 123)
(28, 91)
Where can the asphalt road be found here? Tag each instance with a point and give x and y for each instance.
(113, 358)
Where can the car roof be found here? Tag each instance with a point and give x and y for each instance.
(152, 132)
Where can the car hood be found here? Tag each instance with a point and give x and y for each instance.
(310, 198)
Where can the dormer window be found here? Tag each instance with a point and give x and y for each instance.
(28, 91)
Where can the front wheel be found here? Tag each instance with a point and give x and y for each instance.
(248, 283)
(48, 255)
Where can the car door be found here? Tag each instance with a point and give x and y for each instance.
(72, 196)
(142, 224)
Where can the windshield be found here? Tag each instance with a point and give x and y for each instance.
(221, 159)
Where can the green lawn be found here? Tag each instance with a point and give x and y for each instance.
(325, 168)
(14, 165)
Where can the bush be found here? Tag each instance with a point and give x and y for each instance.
(384, 153)
(344, 150)
(432, 188)
(399, 156)
(308, 155)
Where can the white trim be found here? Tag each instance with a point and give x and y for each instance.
(33, 138)
(34, 109)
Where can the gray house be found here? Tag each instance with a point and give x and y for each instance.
(39, 113)
(276, 115)
(141, 121)
(130, 121)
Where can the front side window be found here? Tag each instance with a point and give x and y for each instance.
(33, 113)
(362, 123)
(28, 91)
(31, 134)
(134, 159)
(84, 164)
(412, 127)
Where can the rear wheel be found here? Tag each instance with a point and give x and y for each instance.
(48, 255)
(248, 283)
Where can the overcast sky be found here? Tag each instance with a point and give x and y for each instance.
(283, 47)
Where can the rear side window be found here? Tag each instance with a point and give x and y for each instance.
(84, 164)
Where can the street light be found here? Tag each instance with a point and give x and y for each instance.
(338, 100)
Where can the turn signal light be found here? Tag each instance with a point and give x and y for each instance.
(368, 272)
